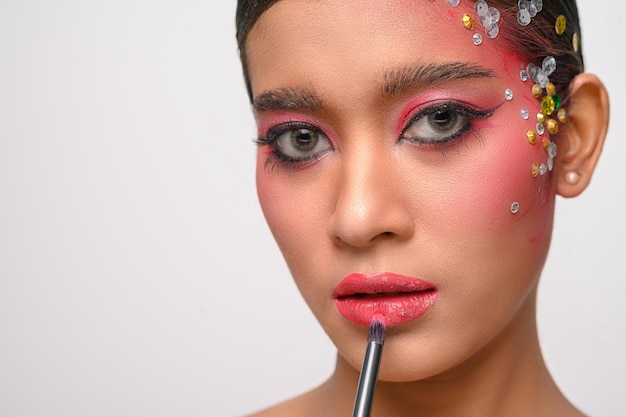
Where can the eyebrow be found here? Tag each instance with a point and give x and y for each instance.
(400, 79)
(395, 81)
(288, 99)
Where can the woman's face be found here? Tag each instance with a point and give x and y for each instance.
(388, 162)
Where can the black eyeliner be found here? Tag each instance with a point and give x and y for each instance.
(464, 110)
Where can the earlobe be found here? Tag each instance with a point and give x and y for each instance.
(580, 143)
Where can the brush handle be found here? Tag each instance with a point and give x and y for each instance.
(367, 382)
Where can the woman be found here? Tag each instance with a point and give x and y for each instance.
(409, 158)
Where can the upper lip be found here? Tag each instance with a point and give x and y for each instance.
(379, 283)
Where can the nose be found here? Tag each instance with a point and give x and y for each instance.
(372, 202)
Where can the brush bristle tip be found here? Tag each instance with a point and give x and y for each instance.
(377, 329)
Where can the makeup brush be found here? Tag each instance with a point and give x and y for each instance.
(369, 371)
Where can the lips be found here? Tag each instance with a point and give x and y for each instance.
(400, 299)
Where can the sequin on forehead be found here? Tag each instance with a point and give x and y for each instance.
(527, 10)
(492, 16)
(477, 39)
(508, 94)
(524, 113)
(534, 169)
(548, 105)
(468, 21)
(492, 30)
(523, 75)
(541, 118)
(560, 25)
(453, 3)
(532, 70)
(540, 128)
(548, 65)
(553, 127)
(481, 7)
(523, 17)
(552, 150)
(488, 18)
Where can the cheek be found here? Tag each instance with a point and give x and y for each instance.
(288, 201)
(484, 190)
(269, 195)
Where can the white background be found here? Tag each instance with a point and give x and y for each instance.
(137, 275)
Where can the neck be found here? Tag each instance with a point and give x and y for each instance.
(507, 377)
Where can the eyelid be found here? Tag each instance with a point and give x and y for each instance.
(468, 110)
(276, 131)
(420, 107)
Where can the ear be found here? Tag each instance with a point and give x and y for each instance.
(580, 142)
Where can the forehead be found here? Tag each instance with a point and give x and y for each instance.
(298, 41)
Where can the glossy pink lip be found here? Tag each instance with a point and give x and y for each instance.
(400, 299)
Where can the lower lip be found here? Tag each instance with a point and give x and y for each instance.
(397, 307)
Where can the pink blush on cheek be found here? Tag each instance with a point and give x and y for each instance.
(504, 176)
(512, 183)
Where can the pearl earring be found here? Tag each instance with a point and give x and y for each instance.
(572, 177)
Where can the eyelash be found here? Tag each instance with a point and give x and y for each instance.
(280, 159)
(458, 137)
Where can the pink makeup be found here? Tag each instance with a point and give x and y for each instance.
(398, 298)
(475, 98)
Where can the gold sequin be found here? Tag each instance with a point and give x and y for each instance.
(562, 116)
(532, 137)
(576, 41)
(468, 21)
(560, 25)
(541, 118)
(551, 89)
(548, 105)
(553, 126)
(545, 143)
(537, 90)
(534, 169)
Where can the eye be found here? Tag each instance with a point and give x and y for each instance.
(296, 143)
(441, 123)
(301, 142)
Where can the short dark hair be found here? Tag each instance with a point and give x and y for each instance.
(533, 42)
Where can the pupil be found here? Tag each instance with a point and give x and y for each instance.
(442, 117)
(444, 120)
(304, 139)
(303, 136)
